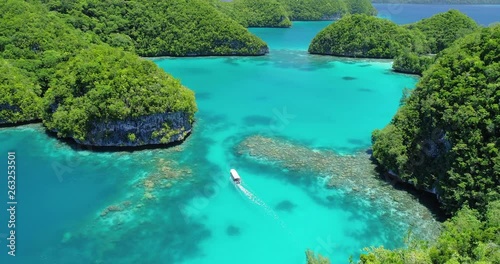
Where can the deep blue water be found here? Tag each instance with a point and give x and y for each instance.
(408, 13)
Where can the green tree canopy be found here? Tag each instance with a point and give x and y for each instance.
(36, 40)
(360, 7)
(438, 2)
(105, 84)
(19, 95)
(448, 131)
(442, 29)
(162, 28)
(326, 9)
(255, 13)
(366, 36)
(410, 62)
(315, 9)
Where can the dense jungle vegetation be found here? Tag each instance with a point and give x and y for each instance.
(104, 84)
(368, 37)
(162, 28)
(255, 13)
(439, 2)
(410, 45)
(326, 9)
(446, 137)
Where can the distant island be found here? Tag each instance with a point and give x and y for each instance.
(439, 2)
(280, 13)
(311, 10)
(255, 13)
(412, 46)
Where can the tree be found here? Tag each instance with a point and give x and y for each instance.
(449, 126)
(19, 95)
(255, 13)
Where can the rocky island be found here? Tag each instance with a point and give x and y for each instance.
(366, 37)
(280, 13)
(315, 10)
(117, 99)
(412, 46)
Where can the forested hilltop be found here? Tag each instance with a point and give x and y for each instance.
(161, 28)
(446, 139)
(367, 37)
(309, 10)
(255, 13)
(410, 45)
(440, 2)
(279, 13)
(440, 31)
(81, 87)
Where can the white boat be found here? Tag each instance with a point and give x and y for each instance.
(235, 176)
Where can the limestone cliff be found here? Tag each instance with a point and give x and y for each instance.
(153, 129)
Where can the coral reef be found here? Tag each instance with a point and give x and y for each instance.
(351, 175)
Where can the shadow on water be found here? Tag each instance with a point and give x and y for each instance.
(257, 120)
(203, 96)
(232, 230)
(349, 78)
(232, 61)
(286, 206)
(358, 143)
(365, 90)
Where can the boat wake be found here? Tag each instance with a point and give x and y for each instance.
(252, 197)
(256, 200)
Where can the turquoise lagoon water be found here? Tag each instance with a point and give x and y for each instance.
(178, 205)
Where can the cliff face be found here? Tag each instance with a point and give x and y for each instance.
(153, 129)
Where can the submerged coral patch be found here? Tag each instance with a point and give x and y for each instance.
(352, 175)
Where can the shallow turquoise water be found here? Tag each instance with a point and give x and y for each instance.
(197, 215)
